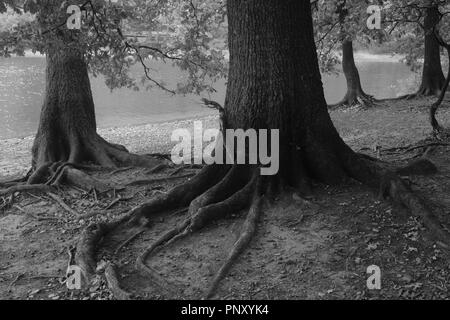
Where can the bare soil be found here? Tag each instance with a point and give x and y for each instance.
(315, 248)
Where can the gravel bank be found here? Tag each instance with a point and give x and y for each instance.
(15, 155)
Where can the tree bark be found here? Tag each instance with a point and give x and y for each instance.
(432, 76)
(275, 83)
(67, 116)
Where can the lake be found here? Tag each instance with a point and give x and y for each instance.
(22, 86)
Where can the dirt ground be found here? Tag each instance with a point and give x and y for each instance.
(317, 248)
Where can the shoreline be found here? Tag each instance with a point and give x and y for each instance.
(152, 137)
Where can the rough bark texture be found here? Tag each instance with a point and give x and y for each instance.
(67, 127)
(275, 83)
(432, 76)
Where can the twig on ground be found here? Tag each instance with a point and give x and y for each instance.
(63, 204)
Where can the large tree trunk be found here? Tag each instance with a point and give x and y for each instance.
(432, 76)
(67, 128)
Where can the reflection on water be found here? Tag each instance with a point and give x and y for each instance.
(22, 85)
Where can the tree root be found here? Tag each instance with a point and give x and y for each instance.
(247, 233)
(63, 204)
(418, 167)
(113, 283)
(362, 100)
(87, 245)
(180, 196)
(390, 185)
(82, 180)
(400, 192)
(156, 180)
(34, 188)
(129, 240)
(218, 191)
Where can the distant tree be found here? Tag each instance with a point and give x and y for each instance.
(340, 23)
(412, 24)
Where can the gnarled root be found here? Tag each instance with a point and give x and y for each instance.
(180, 196)
(391, 185)
(87, 246)
(396, 189)
(209, 207)
(357, 99)
(247, 233)
(114, 284)
(39, 188)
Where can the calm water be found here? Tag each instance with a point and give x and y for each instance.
(22, 86)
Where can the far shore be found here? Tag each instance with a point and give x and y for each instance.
(15, 158)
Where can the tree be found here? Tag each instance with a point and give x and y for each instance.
(67, 128)
(274, 83)
(340, 22)
(422, 18)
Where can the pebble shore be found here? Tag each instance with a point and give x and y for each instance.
(15, 155)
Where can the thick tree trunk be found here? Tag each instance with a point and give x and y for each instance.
(432, 76)
(67, 128)
(67, 118)
(274, 82)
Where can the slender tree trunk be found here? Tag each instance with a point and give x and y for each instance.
(355, 94)
(432, 76)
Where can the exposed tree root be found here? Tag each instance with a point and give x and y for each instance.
(418, 167)
(391, 185)
(87, 246)
(400, 192)
(12, 182)
(410, 148)
(180, 196)
(6, 202)
(239, 200)
(360, 99)
(128, 241)
(82, 180)
(247, 233)
(218, 191)
(114, 284)
(424, 91)
(34, 188)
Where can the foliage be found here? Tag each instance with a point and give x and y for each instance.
(339, 20)
(405, 22)
(115, 35)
